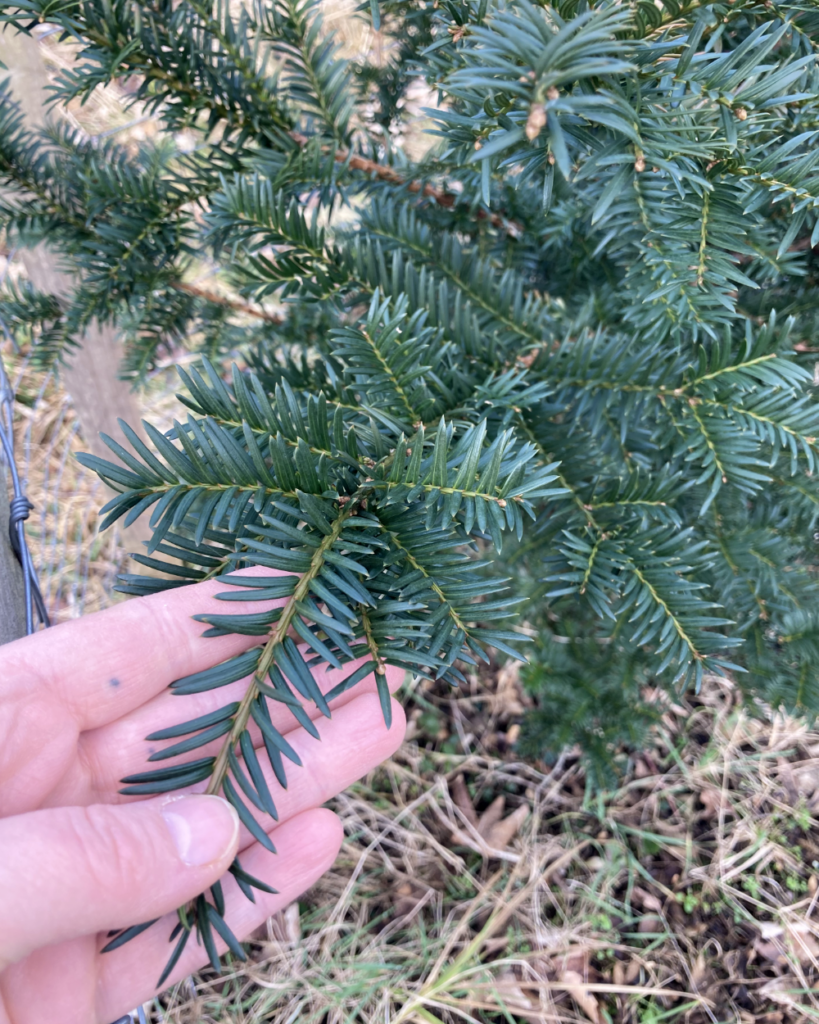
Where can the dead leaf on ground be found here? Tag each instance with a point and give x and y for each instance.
(284, 926)
(503, 832)
(647, 900)
(714, 801)
(790, 788)
(703, 979)
(509, 694)
(633, 971)
(699, 970)
(496, 831)
(778, 944)
(784, 990)
(650, 924)
(492, 815)
(461, 798)
(292, 923)
(807, 780)
(583, 998)
(576, 959)
(509, 993)
(406, 897)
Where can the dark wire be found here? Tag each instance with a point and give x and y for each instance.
(19, 509)
(129, 1017)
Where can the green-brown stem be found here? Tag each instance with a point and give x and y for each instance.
(276, 637)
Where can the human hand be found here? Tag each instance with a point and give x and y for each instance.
(77, 859)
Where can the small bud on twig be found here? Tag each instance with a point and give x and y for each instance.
(535, 121)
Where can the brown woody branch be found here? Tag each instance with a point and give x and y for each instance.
(439, 196)
(445, 199)
(221, 300)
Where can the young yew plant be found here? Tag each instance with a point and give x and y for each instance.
(555, 371)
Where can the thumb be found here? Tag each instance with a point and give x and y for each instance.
(75, 871)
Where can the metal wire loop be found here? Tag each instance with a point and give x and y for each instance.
(19, 509)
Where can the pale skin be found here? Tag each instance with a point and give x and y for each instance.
(77, 859)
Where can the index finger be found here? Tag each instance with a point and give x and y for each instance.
(106, 664)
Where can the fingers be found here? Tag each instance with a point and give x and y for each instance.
(120, 749)
(72, 871)
(307, 846)
(98, 668)
(75, 871)
(117, 854)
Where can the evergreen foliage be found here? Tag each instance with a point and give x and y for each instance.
(570, 346)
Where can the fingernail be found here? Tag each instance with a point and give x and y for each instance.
(203, 828)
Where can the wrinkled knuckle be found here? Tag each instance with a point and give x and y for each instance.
(92, 766)
(116, 858)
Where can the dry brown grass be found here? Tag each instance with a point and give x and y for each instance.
(688, 894)
(77, 567)
(77, 564)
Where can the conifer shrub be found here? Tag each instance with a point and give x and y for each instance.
(555, 372)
